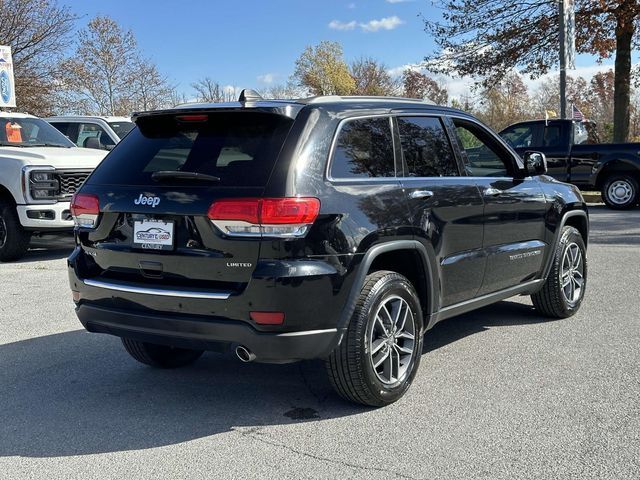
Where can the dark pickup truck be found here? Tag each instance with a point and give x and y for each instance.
(575, 155)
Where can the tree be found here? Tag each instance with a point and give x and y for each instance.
(210, 91)
(488, 38)
(601, 103)
(371, 78)
(418, 85)
(150, 90)
(37, 32)
(323, 71)
(107, 75)
(547, 95)
(286, 91)
(506, 102)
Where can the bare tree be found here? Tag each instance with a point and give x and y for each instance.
(38, 33)
(210, 91)
(107, 74)
(372, 78)
(150, 89)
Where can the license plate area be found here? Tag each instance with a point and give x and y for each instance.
(151, 234)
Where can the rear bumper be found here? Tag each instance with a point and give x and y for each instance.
(209, 334)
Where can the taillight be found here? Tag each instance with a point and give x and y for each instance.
(264, 217)
(85, 210)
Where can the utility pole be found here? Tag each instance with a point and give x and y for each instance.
(566, 12)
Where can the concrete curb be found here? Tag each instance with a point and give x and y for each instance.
(592, 197)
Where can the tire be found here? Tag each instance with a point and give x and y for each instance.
(161, 356)
(14, 239)
(554, 300)
(350, 366)
(620, 191)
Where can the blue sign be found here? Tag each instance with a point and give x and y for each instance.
(5, 86)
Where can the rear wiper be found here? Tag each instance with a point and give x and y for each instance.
(177, 174)
(9, 144)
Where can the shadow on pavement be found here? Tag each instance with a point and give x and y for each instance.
(614, 227)
(48, 247)
(77, 393)
(502, 314)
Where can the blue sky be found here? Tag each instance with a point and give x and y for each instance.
(248, 43)
(255, 43)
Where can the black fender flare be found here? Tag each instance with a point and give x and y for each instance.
(367, 261)
(556, 236)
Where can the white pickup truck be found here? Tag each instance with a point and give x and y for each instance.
(40, 169)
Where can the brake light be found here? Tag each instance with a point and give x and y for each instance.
(192, 118)
(85, 210)
(265, 217)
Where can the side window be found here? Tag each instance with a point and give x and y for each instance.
(364, 149)
(425, 148)
(552, 136)
(484, 156)
(521, 136)
(92, 130)
(63, 127)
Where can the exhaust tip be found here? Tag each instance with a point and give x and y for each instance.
(244, 355)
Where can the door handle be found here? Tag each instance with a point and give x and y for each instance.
(492, 192)
(421, 194)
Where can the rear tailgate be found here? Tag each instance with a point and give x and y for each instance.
(156, 231)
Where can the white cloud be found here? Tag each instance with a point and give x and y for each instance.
(267, 78)
(463, 86)
(387, 23)
(397, 71)
(338, 25)
(398, 1)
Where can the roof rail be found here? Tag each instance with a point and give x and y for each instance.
(352, 98)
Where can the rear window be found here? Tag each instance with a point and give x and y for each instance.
(241, 148)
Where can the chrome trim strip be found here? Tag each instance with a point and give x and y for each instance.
(307, 332)
(157, 291)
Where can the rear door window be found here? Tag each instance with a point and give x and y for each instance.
(425, 148)
(238, 147)
(364, 149)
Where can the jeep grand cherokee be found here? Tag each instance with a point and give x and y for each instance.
(340, 228)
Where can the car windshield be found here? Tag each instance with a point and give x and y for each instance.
(122, 128)
(30, 132)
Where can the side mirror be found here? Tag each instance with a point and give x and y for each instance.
(535, 163)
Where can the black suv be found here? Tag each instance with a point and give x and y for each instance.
(340, 228)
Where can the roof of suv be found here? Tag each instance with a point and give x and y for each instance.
(291, 107)
(90, 117)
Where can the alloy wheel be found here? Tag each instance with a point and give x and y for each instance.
(572, 273)
(392, 340)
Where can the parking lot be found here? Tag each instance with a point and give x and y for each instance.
(501, 393)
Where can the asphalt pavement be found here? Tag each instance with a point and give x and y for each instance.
(502, 393)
